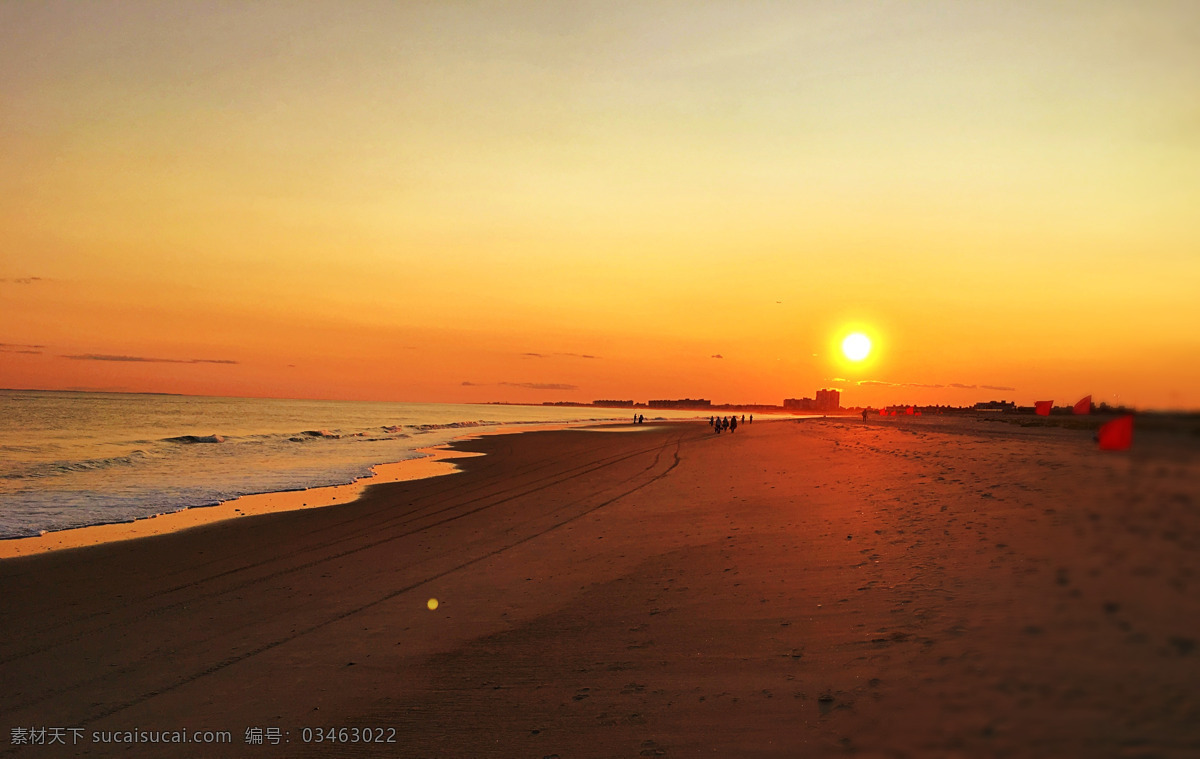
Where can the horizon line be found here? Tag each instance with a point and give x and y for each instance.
(1136, 409)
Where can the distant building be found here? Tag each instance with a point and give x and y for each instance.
(828, 400)
(681, 403)
(614, 404)
(996, 406)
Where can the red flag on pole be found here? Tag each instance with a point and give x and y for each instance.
(1084, 406)
(1116, 435)
(1043, 407)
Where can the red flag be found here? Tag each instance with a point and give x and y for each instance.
(1116, 435)
(1084, 406)
(909, 411)
(892, 412)
(1043, 407)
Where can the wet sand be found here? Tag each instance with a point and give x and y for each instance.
(930, 587)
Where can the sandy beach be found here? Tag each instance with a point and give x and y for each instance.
(920, 587)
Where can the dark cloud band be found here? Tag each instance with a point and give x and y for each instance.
(147, 360)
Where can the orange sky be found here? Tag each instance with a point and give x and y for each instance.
(540, 201)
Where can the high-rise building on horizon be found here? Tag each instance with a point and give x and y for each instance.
(828, 400)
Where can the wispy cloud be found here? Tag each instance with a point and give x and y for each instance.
(540, 385)
(147, 360)
(716, 355)
(23, 280)
(18, 348)
(551, 355)
(526, 385)
(955, 385)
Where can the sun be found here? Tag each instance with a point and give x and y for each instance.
(856, 346)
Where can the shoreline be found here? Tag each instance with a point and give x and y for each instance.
(436, 461)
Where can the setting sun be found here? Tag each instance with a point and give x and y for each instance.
(856, 346)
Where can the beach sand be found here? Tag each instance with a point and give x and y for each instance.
(920, 587)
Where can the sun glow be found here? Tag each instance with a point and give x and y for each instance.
(856, 346)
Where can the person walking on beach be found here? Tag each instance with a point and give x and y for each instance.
(733, 424)
(752, 418)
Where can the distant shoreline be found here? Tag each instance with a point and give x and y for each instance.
(746, 407)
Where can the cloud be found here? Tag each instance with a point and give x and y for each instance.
(548, 355)
(18, 348)
(717, 355)
(540, 385)
(956, 385)
(147, 360)
(23, 280)
(526, 385)
(882, 383)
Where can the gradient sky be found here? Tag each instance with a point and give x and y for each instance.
(532, 201)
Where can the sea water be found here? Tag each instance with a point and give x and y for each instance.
(76, 459)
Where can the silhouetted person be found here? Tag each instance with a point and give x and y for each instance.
(865, 414)
(642, 419)
(743, 418)
(752, 418)
(733, 424)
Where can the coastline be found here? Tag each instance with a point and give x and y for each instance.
(435, 461)
(795, 588)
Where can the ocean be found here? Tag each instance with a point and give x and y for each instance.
(76, 459)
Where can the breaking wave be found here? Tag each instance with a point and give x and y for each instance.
(189, 439)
